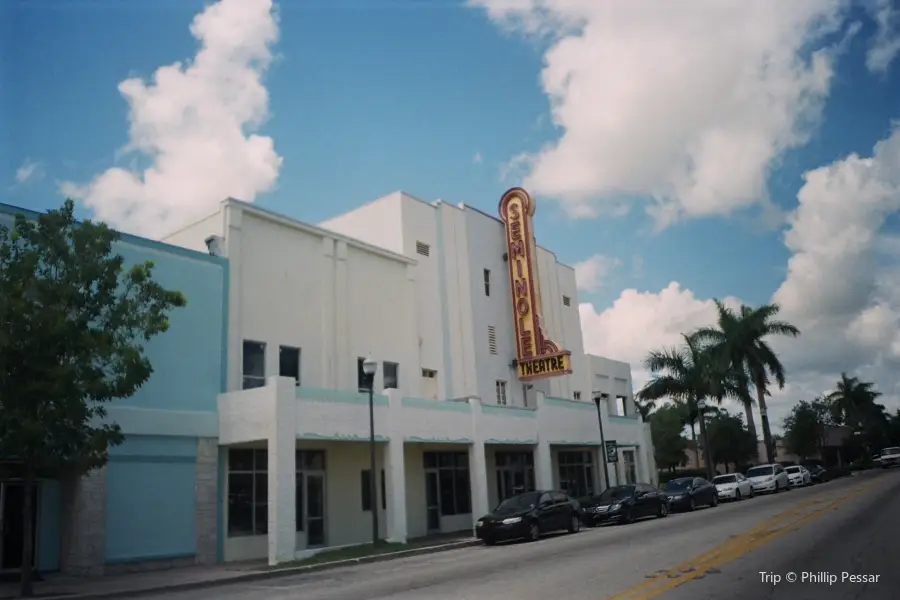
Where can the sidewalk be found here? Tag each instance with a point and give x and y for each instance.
(62, 587)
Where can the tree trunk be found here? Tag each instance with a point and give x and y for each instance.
(751, 424)
(764, 419)
(26, 589)
(696, 447)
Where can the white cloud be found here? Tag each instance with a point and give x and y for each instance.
(591, 272)
(845, 301)
(687, 103)
(886, 43)
(477, 158)
(195, 122)
(30, 170)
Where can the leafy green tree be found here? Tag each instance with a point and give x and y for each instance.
(687, 375)
(73, 323)
(804, 427)
(645, 409)
(740, 339)
(667, 432)
(730, 442)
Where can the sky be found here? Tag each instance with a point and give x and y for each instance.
(678, 152)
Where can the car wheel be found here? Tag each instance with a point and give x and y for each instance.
(574, 524)
(752, 493)
(534, 532)
(715, 501)
(692, 505)
(490, 542)
(628, 519)
(737, 495)
(663, 510)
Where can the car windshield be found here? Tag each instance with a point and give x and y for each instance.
(520, 502)
(616, 493)
(725, 479)
(889, 451)
(759, 471)
(679, 484)
(793, 469)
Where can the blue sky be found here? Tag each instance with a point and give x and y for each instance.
(369, 97)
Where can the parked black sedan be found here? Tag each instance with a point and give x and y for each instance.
(687, 493)
(625, 504)
(528, 516)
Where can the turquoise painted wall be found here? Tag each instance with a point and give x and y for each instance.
(151, 479)
(151, 499)
(189, 360)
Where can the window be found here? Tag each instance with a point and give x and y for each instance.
(576, 395)
(254, 364)
(423, 249)
(429, 373)
(289, 363)
(365, 489)
(567, 301)
(248, 492)
(621, 406)
(390, 375)
(630, 466)
(501, 392)
(492, 339)
(487, 282)
(454, 494)
(361, 380)
(576, 473)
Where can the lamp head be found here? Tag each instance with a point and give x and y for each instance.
(369, 366)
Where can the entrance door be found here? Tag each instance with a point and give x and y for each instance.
(12, 528)
(315, 509)
(432, 502)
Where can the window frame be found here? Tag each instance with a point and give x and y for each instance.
(299, 351)
(259, 472)
(384, 375)
(258, 380)
(487, 282)
(501, 390)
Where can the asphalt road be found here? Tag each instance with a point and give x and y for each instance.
(838, 532)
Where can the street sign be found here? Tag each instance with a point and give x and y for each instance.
(612, 452)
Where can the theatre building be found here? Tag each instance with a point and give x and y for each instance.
(251, 438)
(482, 388)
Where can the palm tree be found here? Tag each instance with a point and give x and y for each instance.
(687, 375)
(852, 402)
(644, 409)
(740, 340)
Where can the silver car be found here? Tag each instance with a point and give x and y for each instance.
(733, 486)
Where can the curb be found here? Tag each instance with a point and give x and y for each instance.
(260, 575)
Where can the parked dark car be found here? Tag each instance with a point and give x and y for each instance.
(817, 473)
(625, 504)
(687, 493)
(528, 516)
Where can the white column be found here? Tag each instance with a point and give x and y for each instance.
(477, 464)
(395, 471)
(282, 471)
(543, 464)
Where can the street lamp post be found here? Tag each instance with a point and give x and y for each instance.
(605, 465)
(369, 368)
(707, 452)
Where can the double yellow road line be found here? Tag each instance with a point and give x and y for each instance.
(744, 543)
